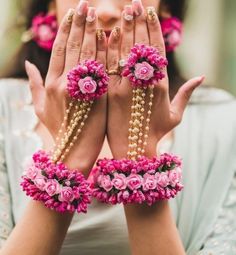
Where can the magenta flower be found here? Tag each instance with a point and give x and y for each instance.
(162, 179)
(52, 187)
(143, 71)
(66, 195)
(87, 81)
(134, 181)
(172, 30)
(44, 30)
(119, 181)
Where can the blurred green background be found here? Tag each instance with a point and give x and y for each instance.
(208, 48)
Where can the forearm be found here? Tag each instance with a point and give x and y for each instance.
(152, 230)
(41, 231)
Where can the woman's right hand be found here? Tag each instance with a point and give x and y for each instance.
(76, 41)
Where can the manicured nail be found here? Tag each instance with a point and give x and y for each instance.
(91, 14)
(138, 7)
(116, 32)
(69, 15)
(100, 34)
(128, 13)
(82, 8)
(151, 14)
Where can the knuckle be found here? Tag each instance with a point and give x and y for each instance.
(73, 45)
(51, 89)
(59, 50)
(126, 50)
(160, 47)
(87, 53)
(65, 29)
(113, 62)
(143, 41)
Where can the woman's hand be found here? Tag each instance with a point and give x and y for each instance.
(144, 28)
(76, 41)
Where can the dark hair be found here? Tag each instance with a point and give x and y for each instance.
(30, 50)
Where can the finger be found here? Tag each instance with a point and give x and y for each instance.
(36, 86)
(141, 30)
(155, 32)
(101, 46)
(127, 31)
(113, 49)
(88, 50)
(74, 43)
(183, 95)
(57, 61)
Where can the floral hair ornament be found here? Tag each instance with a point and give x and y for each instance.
(43, 31)
(138, 179)
(172, 30)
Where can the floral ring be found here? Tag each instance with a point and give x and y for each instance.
(87, 81)
(144, 66)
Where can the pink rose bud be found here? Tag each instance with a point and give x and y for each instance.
(162, 179)
(40, 182)
(119, 181)
(143, 71)
(87, 85)
(32, 172)
(52, 187)
(106, 183)
(149, 182)
(66, 195)
(134, 181)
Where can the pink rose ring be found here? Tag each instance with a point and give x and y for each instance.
(87, 81)
(144, 66)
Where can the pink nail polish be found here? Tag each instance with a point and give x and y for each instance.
(128, 13)
(138, 7)
(82, 8)
(91, 14)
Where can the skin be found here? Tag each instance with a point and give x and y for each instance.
(77, 41)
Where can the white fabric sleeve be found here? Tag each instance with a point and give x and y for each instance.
(223, 238)
(6, 221)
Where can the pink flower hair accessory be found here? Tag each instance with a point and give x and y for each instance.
(87, 81)
(172, 30)
(144, 66)
(137, 181)
(44, 29)
(55, 185)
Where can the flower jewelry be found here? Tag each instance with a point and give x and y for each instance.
(144, 180)
(88, 81)
(138, 179)
(172, 30)
(144, 66)
(55, 185)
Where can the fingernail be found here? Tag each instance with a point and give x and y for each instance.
(91, 14)
(138, 7)
(151, 14)
(116, 32)
(100, 34)
(128, 13)
(82, 8)
(70, 14)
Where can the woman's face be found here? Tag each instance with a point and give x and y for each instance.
(108, 11)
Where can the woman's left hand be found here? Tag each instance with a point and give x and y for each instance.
(145, 29)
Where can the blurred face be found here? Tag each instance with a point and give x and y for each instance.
(108, 11)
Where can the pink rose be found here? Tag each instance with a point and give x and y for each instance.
(162, 179)
(143, 71)
(106, 183)
(149, 182)
(32, 172)
(134, 181)
(174, 38)
(119, 181)
(52, 187)
(179, 173)
(45, 33)
(87, 85)
(40, 182)
(66, 194)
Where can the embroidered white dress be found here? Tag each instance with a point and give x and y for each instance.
(204, 212)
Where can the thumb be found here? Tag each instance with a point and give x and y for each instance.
(36, 85)
(184, 93)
